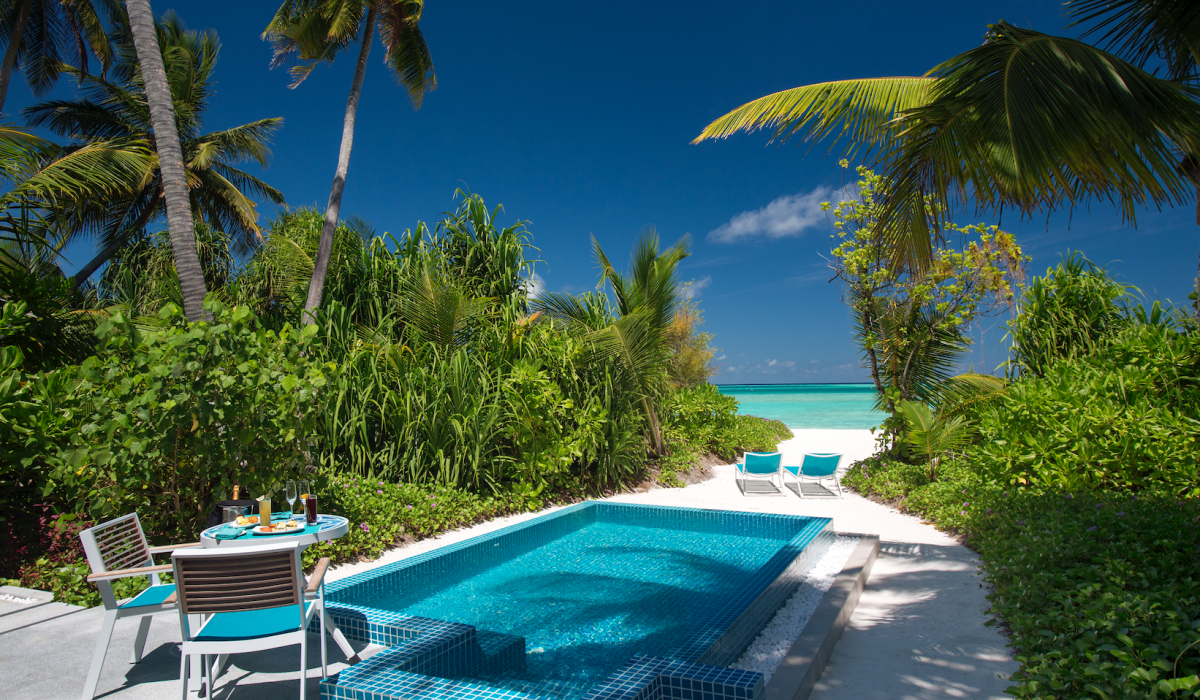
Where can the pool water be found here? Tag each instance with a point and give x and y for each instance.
(806, 406)
(589, 600)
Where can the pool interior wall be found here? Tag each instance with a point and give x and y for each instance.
(440, 658)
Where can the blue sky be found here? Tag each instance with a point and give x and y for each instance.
(580, 121)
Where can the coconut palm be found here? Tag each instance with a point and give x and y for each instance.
(170, 157)
(1026, 121)
(312, 31)
(42, 32)
(647, 298)
(116, 107)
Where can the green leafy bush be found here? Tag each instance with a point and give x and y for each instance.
(706, 420)
(1100, 589)
(165, 421)
(1127, 417)
(383, 514)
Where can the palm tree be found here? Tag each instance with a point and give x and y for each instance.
(934, 434)
(1026, 121)
(647, 298)
(170, 158)
(41, 32)
(116, 107)
(312, 31)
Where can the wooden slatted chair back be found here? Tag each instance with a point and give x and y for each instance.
(113, 546)
(116, 544)
(249, 578)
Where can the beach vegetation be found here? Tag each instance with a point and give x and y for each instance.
(912, 324)
(691, 350)
(114, 107)
(1079, 488)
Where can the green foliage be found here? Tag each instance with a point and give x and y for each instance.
(707, 421)
(1097, 587)
(1130, 413)
(911, 322)
(691, 352)
(932, 434)
(383, 514)
(1068, 314)
(167, 421)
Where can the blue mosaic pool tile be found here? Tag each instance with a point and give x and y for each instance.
(650, 678)
(427, 655)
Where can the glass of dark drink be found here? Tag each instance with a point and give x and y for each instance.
(310, 509)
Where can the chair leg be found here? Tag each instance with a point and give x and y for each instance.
(210, 689)
(93, 677)
(139, 642)
(339, 638)
(303, 663)
(324, 654)
(183, 675)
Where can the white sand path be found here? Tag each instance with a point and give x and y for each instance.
(918, 631)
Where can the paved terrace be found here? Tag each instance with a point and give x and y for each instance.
(918, 631)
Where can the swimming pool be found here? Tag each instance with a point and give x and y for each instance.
(599, 600)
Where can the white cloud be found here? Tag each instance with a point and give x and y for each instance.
(535, 286)
(789, 215)
(693, 288)
(722, 357)
(772, 363)
(789, 363)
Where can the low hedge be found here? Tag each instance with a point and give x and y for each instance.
(1100, 590)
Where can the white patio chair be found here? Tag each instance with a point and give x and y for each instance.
(250, 599)
(118, 549)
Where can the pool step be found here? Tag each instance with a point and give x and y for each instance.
(534, 687)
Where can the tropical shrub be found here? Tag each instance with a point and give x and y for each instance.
(166, 421)
(1099, 588)
(1127, 417)
(910, 320)
(1069, 313)
(706, 420)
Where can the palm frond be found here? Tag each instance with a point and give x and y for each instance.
(407, 52)
(862, 110)
(1145, 30)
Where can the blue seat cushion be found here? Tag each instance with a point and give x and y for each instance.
(153, 595)
(251, 624)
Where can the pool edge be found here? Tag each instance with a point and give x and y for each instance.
(800, 670)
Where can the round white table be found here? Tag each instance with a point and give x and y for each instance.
(330, 527)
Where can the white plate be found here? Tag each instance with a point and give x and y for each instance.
(277, 531)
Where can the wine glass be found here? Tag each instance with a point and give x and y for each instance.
(291, 495)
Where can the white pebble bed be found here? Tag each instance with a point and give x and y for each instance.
(768, 650)
(17, 599)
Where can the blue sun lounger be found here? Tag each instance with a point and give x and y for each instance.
(763, 466)
(818, 467)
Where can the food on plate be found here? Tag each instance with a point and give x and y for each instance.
(290, 525)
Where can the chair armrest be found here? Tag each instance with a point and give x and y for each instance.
(173, 547)
(122, 573)
(171, 599)
(318, 576)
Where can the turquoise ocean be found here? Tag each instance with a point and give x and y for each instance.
(831, 406)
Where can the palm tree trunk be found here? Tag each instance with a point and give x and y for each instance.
(111, 249)
(316, 286)
(14, 45)
(170, 159)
